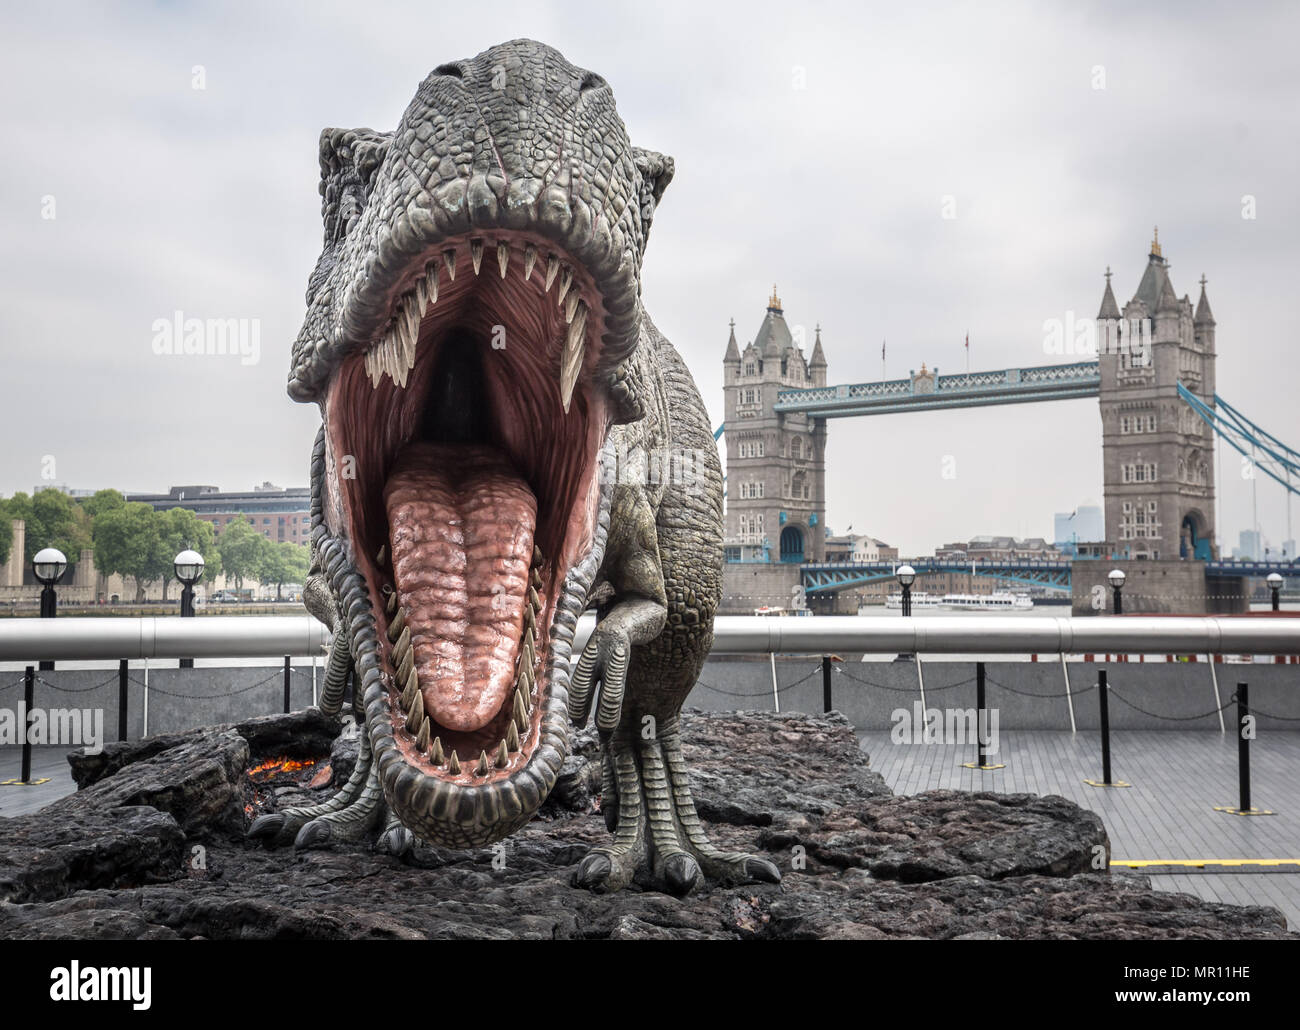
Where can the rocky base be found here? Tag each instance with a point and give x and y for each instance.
(152, 846)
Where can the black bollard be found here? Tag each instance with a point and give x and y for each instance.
(827, 704)
(286, 684)
(29, 690)
(121, 699)
(1243, 747)
(979, 711)
(1103, 692)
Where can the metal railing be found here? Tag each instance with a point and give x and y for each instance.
(302, 636)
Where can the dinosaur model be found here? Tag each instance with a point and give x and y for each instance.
(506, 441)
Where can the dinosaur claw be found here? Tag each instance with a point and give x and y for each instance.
(315, 834)
(396, 841)
(762, 871)
(681, 874)
(593, 872)
(266, 827)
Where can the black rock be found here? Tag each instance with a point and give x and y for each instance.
(118, 859)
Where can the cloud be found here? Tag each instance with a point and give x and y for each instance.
(170, 198)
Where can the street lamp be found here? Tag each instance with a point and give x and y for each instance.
(1274, 582)
(1117, 578)
(48, 567)
(188, 566)
(906, 576)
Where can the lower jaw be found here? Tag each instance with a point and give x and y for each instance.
(463, 812)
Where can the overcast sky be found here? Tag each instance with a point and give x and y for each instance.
(167, 197)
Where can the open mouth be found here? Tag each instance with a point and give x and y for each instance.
(463, 447)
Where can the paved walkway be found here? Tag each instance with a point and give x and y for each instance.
(49, 762)
(1168, 813)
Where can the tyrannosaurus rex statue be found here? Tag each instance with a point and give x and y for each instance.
(507, 440)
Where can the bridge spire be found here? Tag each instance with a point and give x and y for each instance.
(1109, 309)
(733, 351)
(1204, 316)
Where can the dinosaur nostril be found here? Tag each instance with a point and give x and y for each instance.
(454, 70)
(591, 81)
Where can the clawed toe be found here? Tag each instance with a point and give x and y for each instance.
(593, 872)
(266, 827)
(761, 870)
(315, 834)
(681, 873)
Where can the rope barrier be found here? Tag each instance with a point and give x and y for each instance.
(763, 693)
(901, 690)
(76, 690)
(1027, 693)
(1173, 718)
(277, 676)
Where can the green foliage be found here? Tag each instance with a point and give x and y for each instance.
(285, 562)
(243, 551)
(128, 542)
(53, 520)
(102, 501)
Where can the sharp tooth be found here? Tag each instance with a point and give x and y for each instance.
(395, 627)
(530, 259)
(400, 341)
(435, 753)
(392, 601)
(414, 312)
(537, 555)
(422, 294)
(503, 256)
(402, 646)
(431, 282)
(521, 711)
(530, 619)
(503, 754)
(422, 738)
(476, 253)
(415, 714)
(453, 764)
(552, 267)
(482, 768)
(533, 599)
(571, 360)
(527, 659)
(537, 582)
(406, 666)
(383, 553)
(412, 688)
(566, 280)
(570, 306)
(512, 738)
(449, 259)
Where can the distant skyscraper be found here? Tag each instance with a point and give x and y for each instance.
(1085, 523)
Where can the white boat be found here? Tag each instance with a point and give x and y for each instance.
(920, 599)
(1000, 600)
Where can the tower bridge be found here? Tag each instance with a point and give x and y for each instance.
(1159, 412)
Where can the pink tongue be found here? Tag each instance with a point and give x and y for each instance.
(461, 524)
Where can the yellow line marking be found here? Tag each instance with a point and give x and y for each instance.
(1201, 863)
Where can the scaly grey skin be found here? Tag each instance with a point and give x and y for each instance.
(510, 203)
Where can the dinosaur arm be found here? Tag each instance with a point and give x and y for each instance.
(636, 614)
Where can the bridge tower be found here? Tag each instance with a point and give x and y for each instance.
(1158, 455)
(776, 462)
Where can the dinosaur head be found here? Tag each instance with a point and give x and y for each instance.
(471, 336)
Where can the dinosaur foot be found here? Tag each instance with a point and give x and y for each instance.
(347, 816)
(659, 842)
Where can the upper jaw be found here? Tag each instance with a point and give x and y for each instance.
(381, 260)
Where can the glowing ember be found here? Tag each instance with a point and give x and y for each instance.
(277, 766)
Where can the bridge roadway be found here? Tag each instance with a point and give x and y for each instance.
(928, 392)
(832, 577)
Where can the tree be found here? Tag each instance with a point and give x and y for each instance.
(243, 550)
(102, 501)
(286, 562)
(127, 542)
(180, 529)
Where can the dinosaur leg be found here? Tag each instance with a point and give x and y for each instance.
(730, 866)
